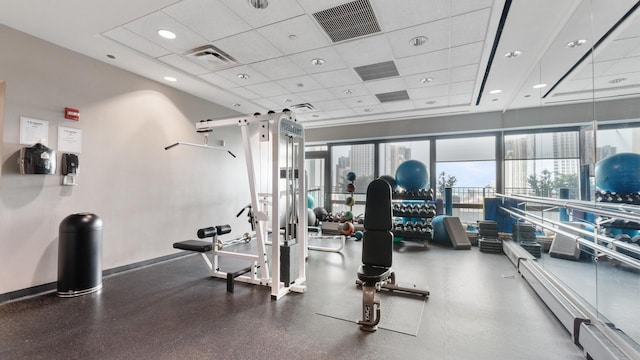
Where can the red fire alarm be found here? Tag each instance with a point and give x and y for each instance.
(71, 114)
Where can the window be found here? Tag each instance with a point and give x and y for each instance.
(358, 158)
(540, 164)
(395, 153)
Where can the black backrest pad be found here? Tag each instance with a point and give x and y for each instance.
(377, 247)
(377, 208)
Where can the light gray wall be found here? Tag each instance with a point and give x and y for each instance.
(547, 116)
(147, 197)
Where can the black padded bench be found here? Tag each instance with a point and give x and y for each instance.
(194, 245)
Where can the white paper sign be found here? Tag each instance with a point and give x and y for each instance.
(33, 131)
(69, 140)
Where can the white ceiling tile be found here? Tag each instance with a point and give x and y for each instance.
(394, 15)
(398, 106)
(463, 6)
(278, 68)
(635, 51)
(183, 64)
(244, 93)
(470, 27)
(465, 87)
(248, 47)
(276, 11)
(218, 80)
(386, 85)
(432, 102)
(267, 104)
(329, 105)
(624, 66)
(340, 113)
(333, 61)
(136, 42)
(148, 26)
(210, 18)
(589, 70)
(281, 100)
(313, 6)
(300, 83)
(616, 50)
(355, 90)
(311, 116)
(267, 89)
(336, 78)
(466, 54)
(461, 99)
(368, 110)
(438, 78)
(464, 73)
(295, 35)
(437, 33)
(429, 92)
(423, 63)
(317, 95)
(361, 101)
(255, 77)
(365, 51)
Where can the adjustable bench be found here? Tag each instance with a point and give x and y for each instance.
(204, 247)
(377, 253)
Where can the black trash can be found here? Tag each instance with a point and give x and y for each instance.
(79, 255)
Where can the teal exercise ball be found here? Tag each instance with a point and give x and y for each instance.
(310, 202)
(440, 233)
(619, 173)
(412, 175)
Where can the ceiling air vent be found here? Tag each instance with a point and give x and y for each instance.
(303, 108)
(348, 21)
(377, 71)
(213, 56)
(393, 96)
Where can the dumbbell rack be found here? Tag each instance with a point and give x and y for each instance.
(618, 198)
(421, 230)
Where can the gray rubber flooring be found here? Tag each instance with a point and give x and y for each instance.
(479, 308)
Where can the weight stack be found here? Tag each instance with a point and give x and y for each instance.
(532, 247)
(492, 246)
(524, 232)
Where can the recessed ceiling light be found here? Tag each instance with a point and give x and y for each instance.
(287, 100)
(539, 86)
(236, 105)
(367, 110)
(576, 43)
(243, 76)
(426, 80)
(494, 99)
(259, 4)
(317, 62)
(111, 56)
(300, 85)
(513, 54)
(496, 91)
(617, 80)
(170, 78)
(167, 34)
(293, 37)
(527, 95)
(430, 102)
(418, 41)
(348, 91)
(315, 115)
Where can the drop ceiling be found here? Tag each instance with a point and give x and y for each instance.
(335, 62)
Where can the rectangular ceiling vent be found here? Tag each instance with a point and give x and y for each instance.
(348, 21)
(377, 71)
(393, 96)
(302, 108)
(213, 56)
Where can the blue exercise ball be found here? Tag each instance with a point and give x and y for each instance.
(412, 175)
(390, 180)
(440, 233)
(619, 173)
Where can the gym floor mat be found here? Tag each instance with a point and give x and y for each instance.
(401, 313)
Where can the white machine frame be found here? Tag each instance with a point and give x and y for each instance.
(271, 128)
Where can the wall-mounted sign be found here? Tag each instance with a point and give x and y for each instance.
(69, 140)
(33, 131)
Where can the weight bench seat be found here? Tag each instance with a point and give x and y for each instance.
(194, 245)
(373, 274)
